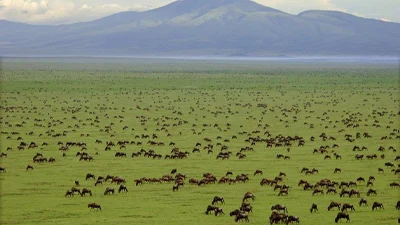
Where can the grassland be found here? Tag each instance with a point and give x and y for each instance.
(147, 96)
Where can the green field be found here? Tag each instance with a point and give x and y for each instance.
(85, 100)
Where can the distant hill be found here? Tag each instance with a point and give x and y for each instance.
(208, 27)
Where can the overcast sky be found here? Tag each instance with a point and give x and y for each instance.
(71, 11)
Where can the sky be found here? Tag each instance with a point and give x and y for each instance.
(54, 12)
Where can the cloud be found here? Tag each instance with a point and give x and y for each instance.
(385, 20)
(59, 11)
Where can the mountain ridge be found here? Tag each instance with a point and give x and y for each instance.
(208, 27)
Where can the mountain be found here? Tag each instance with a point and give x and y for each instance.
(208, 27)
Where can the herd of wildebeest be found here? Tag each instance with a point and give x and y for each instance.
(255, 139)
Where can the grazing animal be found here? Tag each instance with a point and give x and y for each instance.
(377, 205)
(363, 202)
(2, 169)
(109, 191)
(342, 215)
(89, 176)
(242, 216)
(74, 189)
(314, 208)
(217, 199)
(94, 206)
(86, 191)
(279, 207)
(333, 205)
(371, 191)
(210, 208)
(249, 195)
(258, 172)
(218, 211)
(347, 206)
(69, 193)
(122, 188)
(29, 167)
(398, 205)
(292, 219)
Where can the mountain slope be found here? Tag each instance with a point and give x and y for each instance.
(208, 27)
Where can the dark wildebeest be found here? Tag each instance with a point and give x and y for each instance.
(337, 170)
(241, 216)
(29, 167)
(342, 215)
(235, 212)
(248, 195)
(218, 211)
(69, 193)
(333, 205)
(283, 192)
(86, 191)
(258, 172)
(74, 189)
(362, 202)
(175, 187)
(291, 219)
(313, 208)
(210, 208)
(377, 205)
(279, 207)
(109, 191)
(371, 191)
(218, 199)
(398, 205)
(348, 206)
(2, 169)
(122, 188)
(317, 190)
(94, 206)
(89, 176)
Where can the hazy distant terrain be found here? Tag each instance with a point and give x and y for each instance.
(208, 27)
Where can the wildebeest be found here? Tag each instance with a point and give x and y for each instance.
(249, 195)
(333, 205)
(74, 189)
(363, 202)
(346, 206)
(109, 191)
(94, 206)
(371, 191)
(218, 211)
(122, 188)
(398, 205)
(283, 192)
(342, 215)
(279, 207)
(377, 205)
(29, 167)
(291, 219)
(317, 190)
(218, 199)
(210, 208)
(89, 176)
(313, 208)
(242, 216)
(258, 172)
(69, 193)
(86, 191)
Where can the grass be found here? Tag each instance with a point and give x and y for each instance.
(200, 93)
